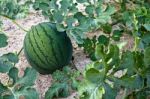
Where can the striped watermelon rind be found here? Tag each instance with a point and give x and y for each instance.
(46, 49)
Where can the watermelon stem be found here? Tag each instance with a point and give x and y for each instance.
(14, 22)
(20, 51)
(74, 64)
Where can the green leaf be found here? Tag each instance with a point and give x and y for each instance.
(90, 91)
(60, 27)
(90, 10)
(102, 39)
(94, 75)
(11, 57)
(5, 65)
(147, 27)
(22, 87)
(113, 56)
(27, 93)
(99, 51)
(26, 80)
(107, 28)
(141, 94)
(13, 9)
(70, 20)
(116, 35)
(63, 83)
(128, 62)
(77, 36)
(53, 4)
(98, 65)
(145, 41)
(58, 17)
(129, 82)
(121, 44)
(110, 93)
(98, 10)
(13, 73)
(65, 4)
(110, 10)
(56, 89)
(3, 40)
(44, 6)
(148, 80)
(3, 89)
(104, 17)
(147, 57)
(7, 61)
(81, 1)
(89, 46)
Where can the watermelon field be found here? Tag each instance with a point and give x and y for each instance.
(74, 49)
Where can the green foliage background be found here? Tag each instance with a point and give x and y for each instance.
(106, 51)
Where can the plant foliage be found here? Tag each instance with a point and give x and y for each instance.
(64, 82)
(114, 67)
(68, 15)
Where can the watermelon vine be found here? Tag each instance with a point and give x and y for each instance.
(114, 67)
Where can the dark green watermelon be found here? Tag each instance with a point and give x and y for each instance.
(46, 49)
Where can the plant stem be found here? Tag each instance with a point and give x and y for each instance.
(19, 54)
(74, 64)
(19, 25)
(2, 31)
(14, 23)
(20, 51)
(135, 31)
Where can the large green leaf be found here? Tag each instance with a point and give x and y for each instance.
(113, 57)
(95, 76)
(56, 90)
(147, 57)
(11, 57)
(63, 83)
(89, 90)
(128, 62)
(26, 80)
(90, 9)
(129, 82)
(65, 4)
(89, 46)
(147, 27)
(102, 39)
(7, 62)
(3, 40)
(13, 8)
(99, 51)
(20, 87)
(110, 93)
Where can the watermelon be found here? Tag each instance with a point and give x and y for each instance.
(46, 49)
